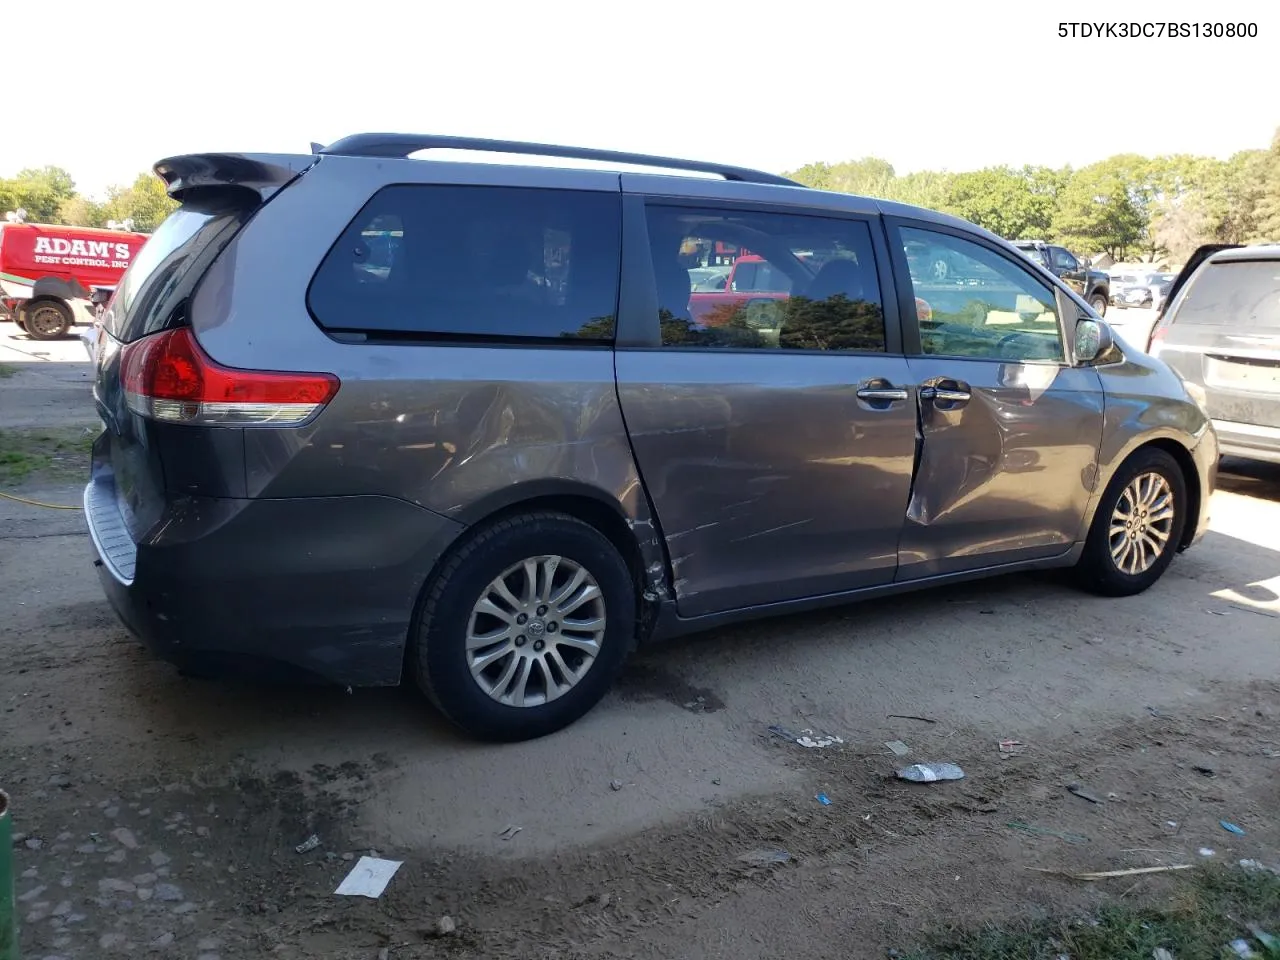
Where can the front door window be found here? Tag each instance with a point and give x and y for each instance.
(987, 307)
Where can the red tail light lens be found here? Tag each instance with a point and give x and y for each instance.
(168, 377)
(1157, 337)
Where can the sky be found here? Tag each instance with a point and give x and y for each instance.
(925, 84)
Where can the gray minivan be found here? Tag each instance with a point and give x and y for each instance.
(367, 415)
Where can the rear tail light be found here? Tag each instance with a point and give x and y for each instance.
(168, 377)
(1157, 338)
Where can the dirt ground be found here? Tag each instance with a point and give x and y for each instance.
(158, 815)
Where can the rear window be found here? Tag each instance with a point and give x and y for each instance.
(468, 262)
(153, 294)
(1240, 294)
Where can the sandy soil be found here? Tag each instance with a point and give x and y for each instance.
(158, 815)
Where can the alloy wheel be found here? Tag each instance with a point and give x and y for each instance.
(535, 631)
(1141, 523)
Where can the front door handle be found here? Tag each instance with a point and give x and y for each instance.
(882, 394)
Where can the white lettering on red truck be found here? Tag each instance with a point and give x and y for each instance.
(82, 253)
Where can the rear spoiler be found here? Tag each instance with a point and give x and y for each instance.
(264, 173)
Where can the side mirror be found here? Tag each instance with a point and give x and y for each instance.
(1093, 339)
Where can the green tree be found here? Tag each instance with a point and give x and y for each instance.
(145, 202)
(868, 177)
(1004, 201)
(1230, 191)
(1266, 211)
(80, 211)
(39, 191)
(925, 188)
(1096, 211)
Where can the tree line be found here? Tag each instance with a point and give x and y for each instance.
(1128, 206)
(49, 195)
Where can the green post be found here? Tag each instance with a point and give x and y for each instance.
(8, 905)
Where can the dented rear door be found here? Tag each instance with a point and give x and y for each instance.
(776, 439)
(1009, 429)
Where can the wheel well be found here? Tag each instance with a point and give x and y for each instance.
(589, 510)
(1192, 477)
(45, 298)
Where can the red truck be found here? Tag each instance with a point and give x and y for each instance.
(53, 276)
(751, 278)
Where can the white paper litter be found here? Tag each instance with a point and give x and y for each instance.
(808, 738)
(368, 878)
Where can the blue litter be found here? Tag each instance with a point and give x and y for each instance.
(823, 799)
(1231, 828)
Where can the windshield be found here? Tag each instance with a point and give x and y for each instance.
(1244, 293)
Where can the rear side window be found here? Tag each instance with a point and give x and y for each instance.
(1240, 294)
(796, 282)
(467, 262)
(153, 294)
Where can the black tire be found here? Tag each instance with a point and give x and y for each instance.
(1099, 303)
(438, 658)
(1096, 570)
(47, 319)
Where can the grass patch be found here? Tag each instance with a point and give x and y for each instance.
(47, 454)
(1212, 908)
(7, 370)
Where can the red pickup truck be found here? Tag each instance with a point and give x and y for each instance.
(751, 278)
(54, 276)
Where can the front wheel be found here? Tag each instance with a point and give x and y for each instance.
(1138, 526)
(1099, 304)
(525, 627)
(47, 320)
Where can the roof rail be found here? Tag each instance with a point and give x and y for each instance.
(400, 145)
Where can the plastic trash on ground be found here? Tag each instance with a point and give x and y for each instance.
(930, 772)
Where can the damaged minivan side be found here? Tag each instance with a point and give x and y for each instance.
(370, 416)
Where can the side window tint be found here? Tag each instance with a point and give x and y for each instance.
(1064, 260)
(764, 281)
(986, 306)
(487, 262)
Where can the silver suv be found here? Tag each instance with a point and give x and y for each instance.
(369, 416)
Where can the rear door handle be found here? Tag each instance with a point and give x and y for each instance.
(945, 391)
(944, 394)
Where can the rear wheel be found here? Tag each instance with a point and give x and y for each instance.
(525, 627)
(47, 320)
(1099, 304)
(1138, 526)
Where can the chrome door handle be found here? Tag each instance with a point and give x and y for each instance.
(882, 394)
(944, 394)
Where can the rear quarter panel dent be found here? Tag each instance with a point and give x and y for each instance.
(445, 427)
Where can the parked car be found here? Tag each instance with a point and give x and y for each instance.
(454, 472)
(1093, 285)
(1221, 333)
(1147, 291)
(51, 276)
